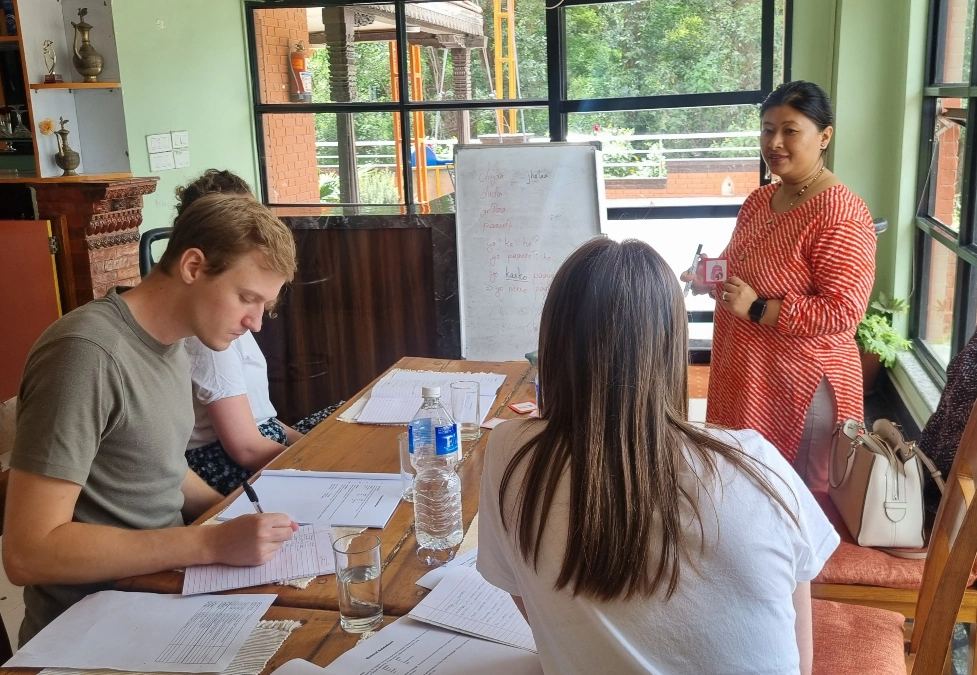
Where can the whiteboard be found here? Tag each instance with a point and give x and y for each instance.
(520, 211)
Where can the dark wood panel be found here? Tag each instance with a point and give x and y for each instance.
(361, 300)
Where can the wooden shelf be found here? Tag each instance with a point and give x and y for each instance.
(77, 85)
(9, 38)
(81, 178)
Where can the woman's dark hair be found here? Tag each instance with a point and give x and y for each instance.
(613, 366)
(807, 97)
(212, 180)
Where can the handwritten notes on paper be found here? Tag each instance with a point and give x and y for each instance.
(463, 601)
(307, 554)
(324, 498)
(146, 632)
(521, 210)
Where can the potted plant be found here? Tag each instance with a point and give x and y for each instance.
(878, 342)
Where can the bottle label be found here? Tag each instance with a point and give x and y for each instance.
(446, 439)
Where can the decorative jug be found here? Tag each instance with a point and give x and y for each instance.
(87, 61)
(66, 158)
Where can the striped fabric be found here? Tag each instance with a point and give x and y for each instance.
(820, 259)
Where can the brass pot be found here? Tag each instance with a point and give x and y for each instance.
(66, 158)
(87, 61)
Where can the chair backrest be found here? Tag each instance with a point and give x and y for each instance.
(951, 555)
(146, 241)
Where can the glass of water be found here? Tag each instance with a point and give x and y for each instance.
(358, 581)
(465, 409)
(407, 470)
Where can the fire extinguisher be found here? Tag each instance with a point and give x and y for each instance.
(301, 91)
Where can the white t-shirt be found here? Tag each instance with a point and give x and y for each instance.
(738, 617)
(239, 369)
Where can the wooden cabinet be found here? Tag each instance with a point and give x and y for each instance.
(28, 295)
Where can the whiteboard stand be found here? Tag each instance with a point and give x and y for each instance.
(521, 210)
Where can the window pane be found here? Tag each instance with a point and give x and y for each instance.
(649, 47)
(466, 52)
(780, 23)
(441, 131)
(338, 69)
(956, 32)
(939, 284)
(946, 174)
(710, 155)
(310, 158)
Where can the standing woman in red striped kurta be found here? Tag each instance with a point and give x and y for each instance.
(801, 267)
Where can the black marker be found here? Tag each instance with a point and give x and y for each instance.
(252, 495)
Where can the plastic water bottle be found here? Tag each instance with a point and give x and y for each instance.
(434, 449)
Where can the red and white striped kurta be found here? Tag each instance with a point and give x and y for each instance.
(820, 259)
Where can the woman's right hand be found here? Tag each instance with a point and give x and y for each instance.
(699, 285)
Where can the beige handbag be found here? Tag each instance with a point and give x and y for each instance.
(876, 483)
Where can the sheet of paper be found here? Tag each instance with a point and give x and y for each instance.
(318, 498)
(307, 554)
(434, 577)
(146, 632)
(408, 647)
(463, 601)
(396, 398)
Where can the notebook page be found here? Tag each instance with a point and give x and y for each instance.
(463, 601)
(308, 553)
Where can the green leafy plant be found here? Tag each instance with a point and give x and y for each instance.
(875, 334)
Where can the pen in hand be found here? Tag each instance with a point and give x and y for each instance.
(252, 495)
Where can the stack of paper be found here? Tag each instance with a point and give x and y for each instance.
(407, 647)
(307, 554)
(324, 498)
(396, 398)
(463, 601)
(146, 632)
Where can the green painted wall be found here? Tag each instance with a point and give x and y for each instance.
(184, 66)
(813, 42)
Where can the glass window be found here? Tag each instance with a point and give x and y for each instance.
(954, 41)
(468, 51)
(309, 158)
(648, 48)
(939, 284)
(657, 156)
(946, 174)
(336, 69)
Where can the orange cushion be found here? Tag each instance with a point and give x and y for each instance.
(854, 640)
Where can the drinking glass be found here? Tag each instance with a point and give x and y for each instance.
(358, 582)
(465, 409)
(407, 470)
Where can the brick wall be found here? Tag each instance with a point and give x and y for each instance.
(109, 267)
(686, 184)
(289, 139)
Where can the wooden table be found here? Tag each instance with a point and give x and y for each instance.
(340, 446)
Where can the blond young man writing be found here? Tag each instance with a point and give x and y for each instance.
(99, 487)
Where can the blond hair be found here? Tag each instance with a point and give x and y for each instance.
(225, 227)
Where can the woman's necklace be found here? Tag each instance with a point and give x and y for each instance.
(742, 255)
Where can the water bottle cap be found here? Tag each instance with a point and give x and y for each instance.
(428, 392)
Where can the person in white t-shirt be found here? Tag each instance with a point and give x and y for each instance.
(236, 431)
(632, 540)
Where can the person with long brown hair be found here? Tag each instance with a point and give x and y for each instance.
(631, 539)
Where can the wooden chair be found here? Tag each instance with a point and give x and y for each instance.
(8, 411)
(851, 638)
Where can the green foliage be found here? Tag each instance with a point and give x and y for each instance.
(621, 151)
(377, 186)
(875, 334)
(328, 187)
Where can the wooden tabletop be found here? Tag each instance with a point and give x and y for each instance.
(340, 446)
(320, 639)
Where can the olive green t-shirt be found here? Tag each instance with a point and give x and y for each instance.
(104, 405)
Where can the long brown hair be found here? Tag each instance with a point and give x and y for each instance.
(613, 380)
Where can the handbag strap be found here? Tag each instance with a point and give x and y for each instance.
(935, 473)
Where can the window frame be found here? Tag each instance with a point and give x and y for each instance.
(929, 230)
(558, 104)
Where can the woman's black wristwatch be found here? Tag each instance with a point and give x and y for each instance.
(757, 309)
